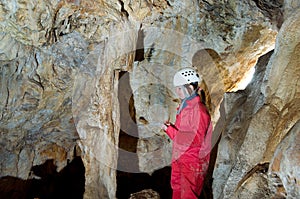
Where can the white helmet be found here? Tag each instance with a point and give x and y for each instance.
(185, 76)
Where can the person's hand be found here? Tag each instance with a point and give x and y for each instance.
(165, 125)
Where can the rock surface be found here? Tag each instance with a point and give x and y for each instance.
(147, 194)
(60, 66)
(257, 122)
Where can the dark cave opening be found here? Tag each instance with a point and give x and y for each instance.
(67, 183)
(159, 181)
(140, 51)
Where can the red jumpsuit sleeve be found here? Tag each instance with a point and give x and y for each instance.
(190, 126)
(172, 131)
(186, 126)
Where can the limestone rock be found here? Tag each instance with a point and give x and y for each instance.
(60, 67)
(284, 166)
(257, 124)
(239, 109)
(145, 194)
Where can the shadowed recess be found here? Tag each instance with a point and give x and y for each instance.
(67, 183)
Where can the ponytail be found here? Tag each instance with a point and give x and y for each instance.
(202, 96)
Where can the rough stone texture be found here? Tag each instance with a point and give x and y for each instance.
(284, 166)
(239, 108)
(257, 121)
(36, 102)
(146, 194)
(59, 74)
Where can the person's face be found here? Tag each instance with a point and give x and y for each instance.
(180, 92)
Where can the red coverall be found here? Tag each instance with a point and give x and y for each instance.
(191, 152)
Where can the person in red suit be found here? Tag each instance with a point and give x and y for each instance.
(191, 135)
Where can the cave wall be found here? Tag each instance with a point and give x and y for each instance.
(60, 62)
(261, 127)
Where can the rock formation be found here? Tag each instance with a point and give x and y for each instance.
(62, 63)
